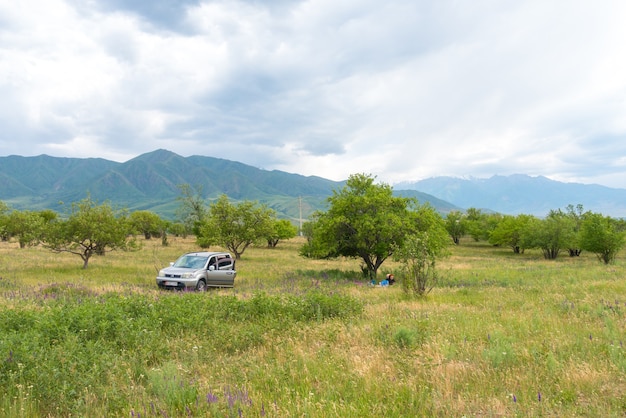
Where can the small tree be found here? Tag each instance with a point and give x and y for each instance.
(89, 229)
(421, 250)
(4, 219)
(551, 234)
(509, 232)
(147, 223)
(601, 235)
(27, 226)
(281, 229)
(456, 225)
(193, 210)
(235, 226)
(577, 215)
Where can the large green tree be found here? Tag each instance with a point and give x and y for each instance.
(364, 220)
(235, 226)
(602, 236)
(90, 228)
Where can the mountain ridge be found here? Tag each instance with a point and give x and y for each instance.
(151, 181)
(521, 193)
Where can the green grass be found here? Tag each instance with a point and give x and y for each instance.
(501, 335)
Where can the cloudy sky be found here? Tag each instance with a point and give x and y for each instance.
(401, 89)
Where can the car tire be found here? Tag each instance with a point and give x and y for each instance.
(201, 285)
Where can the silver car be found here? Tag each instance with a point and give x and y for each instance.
(198, 271)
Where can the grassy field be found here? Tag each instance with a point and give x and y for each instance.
(501, 335)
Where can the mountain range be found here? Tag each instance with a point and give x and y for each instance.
(152, 182)
(519, 193)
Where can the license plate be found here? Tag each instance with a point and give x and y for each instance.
(171, 284)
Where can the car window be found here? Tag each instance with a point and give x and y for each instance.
(225, 263)
(191, 261)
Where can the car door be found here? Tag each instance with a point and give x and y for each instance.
(221, 273)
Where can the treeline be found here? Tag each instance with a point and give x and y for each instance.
(571, 230)
(363, 221)
(91, 228)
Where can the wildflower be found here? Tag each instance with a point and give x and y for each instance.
(514, 398)
(539, 396)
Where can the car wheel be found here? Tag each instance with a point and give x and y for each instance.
(201, 286)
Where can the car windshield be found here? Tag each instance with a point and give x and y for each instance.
(191, 261)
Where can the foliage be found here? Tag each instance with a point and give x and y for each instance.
(79, 340)
(364, 221)
(479, 225)
(499, 335)
(456, 225)
(147, 223)
(192, 210)
(576, 214)
(90, 228)
(551, 235)
(235, 226)
(282, 229)
(510, 232)
(601, 235)
(27, 226)
(4, 209)
(421, 250)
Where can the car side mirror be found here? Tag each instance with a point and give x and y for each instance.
(211, 268)
(171, 263)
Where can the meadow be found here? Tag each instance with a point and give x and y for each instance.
(501, 335)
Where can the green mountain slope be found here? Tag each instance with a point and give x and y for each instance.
(151, 182)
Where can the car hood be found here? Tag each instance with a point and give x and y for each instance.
(178, 270)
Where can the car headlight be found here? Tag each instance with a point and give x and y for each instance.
(161, 273)
(187, 275)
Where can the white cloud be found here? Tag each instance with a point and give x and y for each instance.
(402, 89)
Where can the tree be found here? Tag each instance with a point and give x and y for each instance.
(281, 229)
(456, 225)
(577, 215)
(421, 250)
(235, 226)
(193, 208)
(147, 223)
(602, 236)
(364, 221)
(89, 229)
(4, 210)
(551, 234)
(27, 226)
(509, 232)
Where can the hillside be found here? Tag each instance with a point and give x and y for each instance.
(151, 182)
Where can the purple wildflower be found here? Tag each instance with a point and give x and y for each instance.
(514, 398)
(539, 396)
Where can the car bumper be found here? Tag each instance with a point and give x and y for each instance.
(176, 283)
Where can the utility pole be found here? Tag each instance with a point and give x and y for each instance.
(300, 206)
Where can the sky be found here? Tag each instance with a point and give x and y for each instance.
(403, 90)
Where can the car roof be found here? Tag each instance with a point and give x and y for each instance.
(207, 253)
